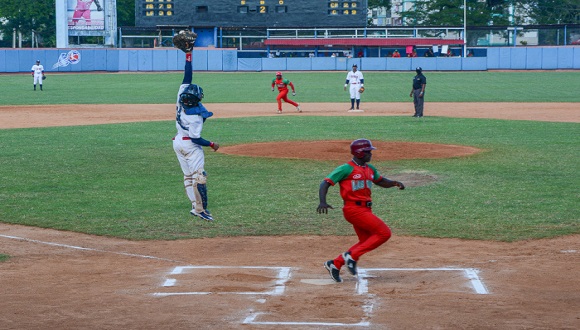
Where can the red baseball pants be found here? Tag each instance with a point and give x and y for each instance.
(372, 232)
(284, 96)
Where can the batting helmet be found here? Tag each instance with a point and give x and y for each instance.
(191, 96)
(358, 147)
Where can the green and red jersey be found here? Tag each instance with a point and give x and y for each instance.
(282, 84)
(355, 181)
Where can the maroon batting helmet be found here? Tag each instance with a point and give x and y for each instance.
(358, 147)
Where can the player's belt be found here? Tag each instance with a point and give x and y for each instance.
(183, 138)
(368, 204)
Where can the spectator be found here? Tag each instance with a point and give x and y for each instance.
(396, 53)
(469, 53)
(429, 53)
(360, 53)
(449, 53)
(413, 53)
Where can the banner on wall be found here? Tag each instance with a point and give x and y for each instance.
(85, 15)
(64, 59)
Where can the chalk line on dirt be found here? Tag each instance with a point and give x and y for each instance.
(86, 249)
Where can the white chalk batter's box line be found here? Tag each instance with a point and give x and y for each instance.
(282, 276)
(471, 274)
(284, 273)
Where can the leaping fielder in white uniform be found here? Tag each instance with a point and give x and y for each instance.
(356, 80)
(188, 143)
(37, 73)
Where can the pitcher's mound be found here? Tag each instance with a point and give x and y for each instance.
(340, 150)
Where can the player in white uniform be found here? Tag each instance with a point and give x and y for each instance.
(188, 143)
(356, 80)
(38, 74)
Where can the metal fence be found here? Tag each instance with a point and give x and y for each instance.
(251, 39)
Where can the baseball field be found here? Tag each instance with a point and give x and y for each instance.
(95, 230)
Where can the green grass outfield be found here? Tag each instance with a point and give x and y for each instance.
(160, 88)
(123, 180)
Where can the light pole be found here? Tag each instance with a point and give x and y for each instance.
(464, 28)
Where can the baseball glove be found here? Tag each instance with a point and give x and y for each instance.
(184, 40)
(43, 77)
(361, 90)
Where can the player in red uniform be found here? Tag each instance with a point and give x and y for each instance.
(355, 179)
(282, 85)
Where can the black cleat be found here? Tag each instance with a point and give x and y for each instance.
(350, 263)
(333, 271)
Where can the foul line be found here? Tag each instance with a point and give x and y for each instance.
(85, 249)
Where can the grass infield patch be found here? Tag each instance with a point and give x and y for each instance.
(124, 180)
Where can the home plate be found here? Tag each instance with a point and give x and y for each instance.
(318, 281)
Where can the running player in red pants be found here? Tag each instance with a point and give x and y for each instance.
(355, 179)
(283, 91)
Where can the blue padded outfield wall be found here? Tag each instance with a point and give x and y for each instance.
(212, 59)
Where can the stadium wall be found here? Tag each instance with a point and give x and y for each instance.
(211, 59)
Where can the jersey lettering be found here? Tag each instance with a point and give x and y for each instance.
(361, 184)
(178, 119)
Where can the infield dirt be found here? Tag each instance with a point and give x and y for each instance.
(65, 280)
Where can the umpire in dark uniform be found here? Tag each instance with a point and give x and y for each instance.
(418, 92)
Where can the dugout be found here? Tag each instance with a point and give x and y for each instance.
(362, 47)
